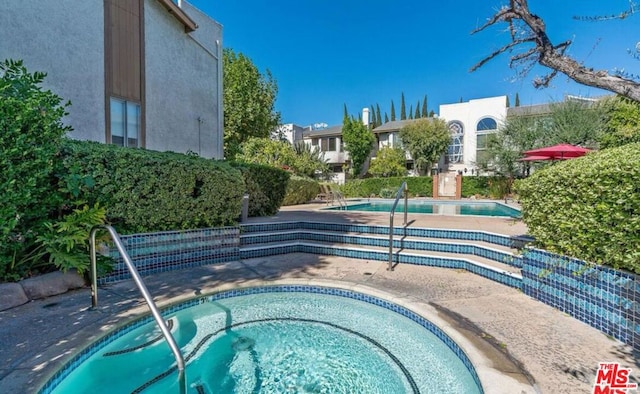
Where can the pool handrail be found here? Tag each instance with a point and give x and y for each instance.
(143, 289)
(401, 189)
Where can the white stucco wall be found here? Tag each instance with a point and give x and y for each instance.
(63, 38)
(469, 114)
(183, 83)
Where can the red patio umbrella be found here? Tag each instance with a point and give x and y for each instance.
(540, 158)
(560, 151)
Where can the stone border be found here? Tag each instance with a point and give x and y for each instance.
(42, 286)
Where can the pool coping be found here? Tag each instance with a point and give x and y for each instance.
(491, 379)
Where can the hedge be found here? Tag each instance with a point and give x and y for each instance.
(485, 186)
(588, 208)
(301, 190)
(418, 186)
(147, 191)
(266, 186)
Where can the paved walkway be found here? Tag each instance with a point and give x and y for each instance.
(522, 338)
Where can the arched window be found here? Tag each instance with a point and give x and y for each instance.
(487, 124)
(454, 153)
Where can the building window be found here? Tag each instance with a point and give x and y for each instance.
(314, 142)
(328, 144)
(487, 124)
(125, 123)
(482, 145)
(454, 153)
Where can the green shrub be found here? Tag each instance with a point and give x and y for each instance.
(485, 186)
(266, 186)
(31, 132)
(387, 193)
(588, 207)
(418, 186)
(300, 190)
(147, 191)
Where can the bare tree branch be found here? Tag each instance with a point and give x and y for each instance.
(521, 20)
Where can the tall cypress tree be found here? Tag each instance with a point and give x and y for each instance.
(346, 113)
(386, 118)
(372, 118)
(411, 112)
(378, 114)
(432, 114)
(403, 109)
(417, 115)
(517, 100)
(424, 113)
(508, 104)
(393, 111)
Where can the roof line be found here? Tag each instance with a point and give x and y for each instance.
(180, 15)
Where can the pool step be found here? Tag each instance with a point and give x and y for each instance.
(504, 257)
(484, 267)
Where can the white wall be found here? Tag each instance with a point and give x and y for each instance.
(182, 81)
(469, 113)
(63, 38)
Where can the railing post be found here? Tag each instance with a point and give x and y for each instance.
(406, 200)
(145, 294)
(390, 266)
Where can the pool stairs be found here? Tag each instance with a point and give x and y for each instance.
(486, 254)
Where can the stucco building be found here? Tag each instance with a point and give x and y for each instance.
(140, 73)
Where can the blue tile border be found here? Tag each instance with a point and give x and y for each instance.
(602, 297)
(153, 253)
(95, 347)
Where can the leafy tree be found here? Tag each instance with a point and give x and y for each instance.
(300, 158)
(389, 161)
(576, 122)
(424, 112)
(403, 109)
(432, 114)
(358, 141)
(529, 31)
(249, 102)
(426, 140)
(267, 152)
(417, 115)
(622, 122)
(570, 122)
(393, 112)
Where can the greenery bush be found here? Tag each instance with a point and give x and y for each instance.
(418, 186)
(300, 190)
(588, 207)
(266, 186)
(31, 132)
(147, 191)
(495, 187)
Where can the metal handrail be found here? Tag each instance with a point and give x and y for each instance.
(143, 289)
(401, 189)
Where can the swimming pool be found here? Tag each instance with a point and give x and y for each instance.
(302, 339)
(479, 208)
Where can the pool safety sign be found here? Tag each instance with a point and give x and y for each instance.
(611, 378)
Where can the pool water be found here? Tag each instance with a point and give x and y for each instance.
(438, 208)
(282, 342)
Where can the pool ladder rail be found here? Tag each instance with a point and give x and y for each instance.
(145, 293)
(401, 190)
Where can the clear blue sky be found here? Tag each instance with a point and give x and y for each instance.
(324, 54)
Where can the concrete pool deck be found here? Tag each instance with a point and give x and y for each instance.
(520, 336)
